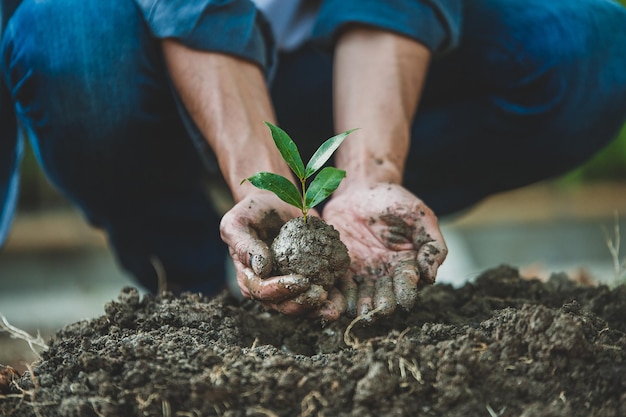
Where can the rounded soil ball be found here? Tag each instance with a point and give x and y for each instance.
(312, 249)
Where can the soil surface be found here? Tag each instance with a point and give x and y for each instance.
(502, 346)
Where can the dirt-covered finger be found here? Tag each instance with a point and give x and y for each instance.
(332, 308)
(384, 298)
(405, 279)
(350, 292)
(309, 300)
(246, 237)
(429, 257)
(275, 289)
(256, 254)
(245, 246)
(365, 301)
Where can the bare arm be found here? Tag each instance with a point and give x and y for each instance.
(378, 82)
(228, 100)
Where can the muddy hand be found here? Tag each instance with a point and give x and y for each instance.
(248, 229)
(394, 243)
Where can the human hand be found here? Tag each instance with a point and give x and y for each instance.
(394, 243)
(248, 229)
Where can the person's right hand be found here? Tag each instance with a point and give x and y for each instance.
(394, 242)
(248, 229)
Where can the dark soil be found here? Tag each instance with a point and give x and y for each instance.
(502, 346)
(311, 249)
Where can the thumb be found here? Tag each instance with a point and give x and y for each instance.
(246, 247)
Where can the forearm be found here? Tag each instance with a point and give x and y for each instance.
(228, 100)
(378, 82)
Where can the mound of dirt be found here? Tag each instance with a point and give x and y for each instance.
(502, 346)
(311, 249)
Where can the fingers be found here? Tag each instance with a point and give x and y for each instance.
(332, 308)
(429, 257)
(350, 292)
(271, 290)
(405, 279)
(365, 301)
(247, 248)
(384, 299)
(375, 298)
(431, 249)
(311, 299)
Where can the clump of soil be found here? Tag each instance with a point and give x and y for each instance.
(502, 346)
(311, 249)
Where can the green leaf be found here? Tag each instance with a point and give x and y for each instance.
(279, 185)
(323, 185)
(287, 149)
(324, 153)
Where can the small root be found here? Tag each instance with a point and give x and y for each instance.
(412, 367)
(94, 405)
(613, 245)
(16, 333)
(260, 410)
(493, 413)
(166, 408)
(403, 366)
(192, 413)
(143, 404)
(353, 342)
(401, 336)
(32, 392)
(309, 403)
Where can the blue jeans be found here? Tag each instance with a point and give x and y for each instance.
(534, 89)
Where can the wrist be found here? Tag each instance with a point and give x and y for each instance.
(250, 153)
(240, 188)
(368, 161)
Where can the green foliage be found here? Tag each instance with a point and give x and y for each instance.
(320, 188)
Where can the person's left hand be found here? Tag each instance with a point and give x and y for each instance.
(394, 243)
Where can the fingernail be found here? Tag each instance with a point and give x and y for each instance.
(260, 264)
(433, 273)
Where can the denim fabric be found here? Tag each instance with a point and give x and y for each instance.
(527, 89)
(10, 156)
(10, 144)
(533, 89)
(106, 129)
(230, 26)
(435, 23)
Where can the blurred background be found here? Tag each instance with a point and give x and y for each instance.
(55, 269)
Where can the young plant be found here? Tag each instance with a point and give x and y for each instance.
(303, 197)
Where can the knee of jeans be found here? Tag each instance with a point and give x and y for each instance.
(564, 67)
(58, 47)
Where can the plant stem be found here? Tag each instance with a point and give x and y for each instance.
(304, 208)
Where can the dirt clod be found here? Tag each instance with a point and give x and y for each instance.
(7, 376)
(312, 249)
(500, 346)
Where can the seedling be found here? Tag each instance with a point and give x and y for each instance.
(320, 188)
